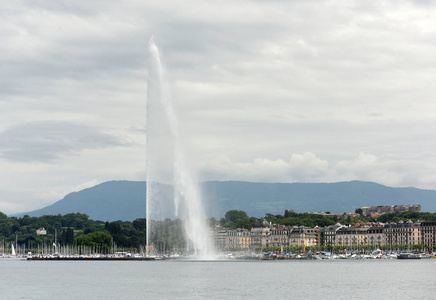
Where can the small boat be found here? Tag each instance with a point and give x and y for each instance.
(406, 255)
(268, 256)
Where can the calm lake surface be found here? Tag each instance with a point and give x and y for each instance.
(173, 279)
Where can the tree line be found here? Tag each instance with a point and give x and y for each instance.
(71, 229)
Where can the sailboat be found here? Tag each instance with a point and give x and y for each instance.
(13, 250)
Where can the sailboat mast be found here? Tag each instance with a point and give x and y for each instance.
(56, 242)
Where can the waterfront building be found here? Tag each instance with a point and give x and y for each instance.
(352, 237)
(218, 236)
(238, 239)
(403, 234)
(428, 235)
(279, 236)
(376, 236)
(327, 235)
(303, 236)
(260, 234)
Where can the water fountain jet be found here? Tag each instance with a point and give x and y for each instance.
(173, 193)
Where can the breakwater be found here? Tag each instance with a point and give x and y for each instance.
(85, 258)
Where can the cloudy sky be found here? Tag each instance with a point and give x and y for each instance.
(273, 91)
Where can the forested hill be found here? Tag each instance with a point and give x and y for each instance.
(125, 200)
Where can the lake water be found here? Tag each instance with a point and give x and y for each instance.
(291, 279)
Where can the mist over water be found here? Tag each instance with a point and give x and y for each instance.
(173, 191)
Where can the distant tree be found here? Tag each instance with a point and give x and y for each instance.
(291, 221)
(101, 239)
(326, 222)
(244, 223)
(234, 215)
(212, 221)
(140, 224)
(5, 230)
(113, 227)
(67, 236)
(271, 218)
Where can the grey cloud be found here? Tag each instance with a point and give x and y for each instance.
(52, 43)
(80, 62)
(251, 79)
(48, 141)
(68, 7)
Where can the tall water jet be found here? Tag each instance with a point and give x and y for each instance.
(176, 221)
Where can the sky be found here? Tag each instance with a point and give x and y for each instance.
(265, 91)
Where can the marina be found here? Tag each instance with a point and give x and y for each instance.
(231, 256)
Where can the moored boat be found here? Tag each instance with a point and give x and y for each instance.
(406, 255)
(268, 256)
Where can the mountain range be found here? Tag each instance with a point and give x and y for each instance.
(126, 200)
